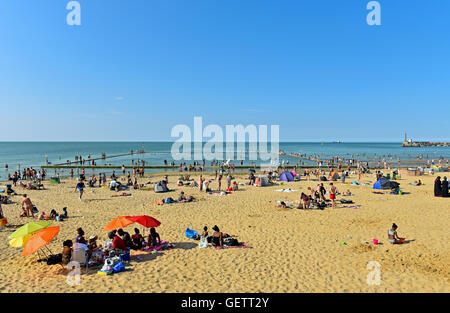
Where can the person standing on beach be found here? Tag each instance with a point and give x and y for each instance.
(229, 178)
(200, 183)
(80, 187)
(220, 181)
(27, 206)
(333, 192)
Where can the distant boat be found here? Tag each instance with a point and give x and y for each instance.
(337, 141)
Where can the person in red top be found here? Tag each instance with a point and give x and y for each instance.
(118, 243)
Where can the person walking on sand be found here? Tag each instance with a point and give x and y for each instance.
(27, 206)
(333, 192)
(80, 187)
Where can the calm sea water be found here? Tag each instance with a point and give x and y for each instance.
(33, 154)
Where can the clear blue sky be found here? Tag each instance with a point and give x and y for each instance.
(136, 68)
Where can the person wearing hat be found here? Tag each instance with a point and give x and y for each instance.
(92, 243)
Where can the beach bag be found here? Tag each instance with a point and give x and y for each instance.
(203, 243)
(119, 267)
(190, 233)
(35, 210)
(54, 259)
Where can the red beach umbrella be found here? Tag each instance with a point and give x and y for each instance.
(144, 220)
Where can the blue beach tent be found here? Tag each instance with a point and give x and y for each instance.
(286, 176)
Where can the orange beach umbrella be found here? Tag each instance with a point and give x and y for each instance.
(119, 222)
(40, 239)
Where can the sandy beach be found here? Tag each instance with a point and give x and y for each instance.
(292, 250)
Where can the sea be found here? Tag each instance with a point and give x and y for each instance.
(15, 155)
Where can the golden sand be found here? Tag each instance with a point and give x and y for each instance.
(293, 250)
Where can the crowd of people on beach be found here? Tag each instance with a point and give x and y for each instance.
(120, 242)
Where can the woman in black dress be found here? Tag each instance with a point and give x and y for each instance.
(438, 187)
(445, 187)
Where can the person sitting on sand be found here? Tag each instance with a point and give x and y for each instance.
(92, 243)
(138, 240)
(118, 245)
(64, 215)
(153, 238)
(42, 216)
(304, 201)
(53, 214)
(393, 237)
(348, 193)
(204, 233)
(67, 252)
(218, 237)
(125, 237)
(80, 238)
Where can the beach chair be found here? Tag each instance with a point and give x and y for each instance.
(80, 255)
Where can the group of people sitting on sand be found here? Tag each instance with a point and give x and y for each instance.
(218, 239)
(54, 215)
(29, 209)
(119, 242)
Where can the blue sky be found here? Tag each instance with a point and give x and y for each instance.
(136, 68)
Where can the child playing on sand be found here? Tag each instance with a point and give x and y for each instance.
(393, 237)
(80, 187)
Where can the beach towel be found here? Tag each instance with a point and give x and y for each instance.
(240, 245)
(123, 195)
(164, 245)
(222, 193)
(351, 206)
